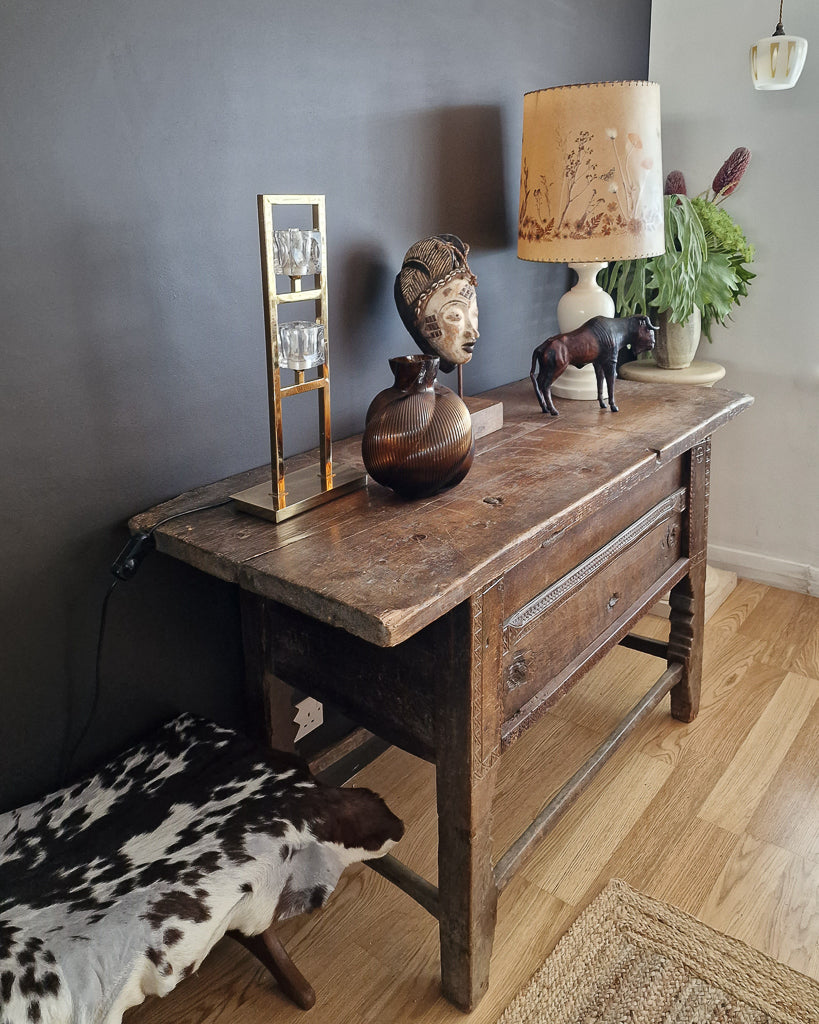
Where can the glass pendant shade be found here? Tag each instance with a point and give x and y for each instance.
(778, 59)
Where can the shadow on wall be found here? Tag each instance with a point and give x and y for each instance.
(456, 167)
(470, 183)
(453, 178)
(366, 299)
(461, 152)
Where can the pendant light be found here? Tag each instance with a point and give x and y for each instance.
(777, 60)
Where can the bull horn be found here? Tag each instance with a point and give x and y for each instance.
(651, 325)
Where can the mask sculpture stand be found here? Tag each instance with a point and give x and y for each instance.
(436, 300)
(487, 416)
(303, 489)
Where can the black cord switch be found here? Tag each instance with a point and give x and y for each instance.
(132, 555)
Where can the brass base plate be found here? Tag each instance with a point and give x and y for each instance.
(303, 492)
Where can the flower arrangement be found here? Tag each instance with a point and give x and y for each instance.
(705, 264)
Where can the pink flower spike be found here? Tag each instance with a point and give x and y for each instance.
(675, 184)
(730, 174)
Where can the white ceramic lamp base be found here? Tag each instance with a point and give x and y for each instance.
(581, 303)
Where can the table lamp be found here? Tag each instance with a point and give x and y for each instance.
(591, 191)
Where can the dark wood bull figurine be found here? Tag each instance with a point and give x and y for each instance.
(597, 341)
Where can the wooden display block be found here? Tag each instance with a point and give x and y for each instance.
(487, 416)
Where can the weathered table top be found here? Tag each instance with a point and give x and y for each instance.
(383, 568)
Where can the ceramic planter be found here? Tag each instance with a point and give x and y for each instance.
(676, 344)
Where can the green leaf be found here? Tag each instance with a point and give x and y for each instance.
(665, 283)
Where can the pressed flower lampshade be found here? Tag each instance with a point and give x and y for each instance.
(777, 60)
(591, 191)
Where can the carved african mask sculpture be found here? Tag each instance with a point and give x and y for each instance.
(436, 299)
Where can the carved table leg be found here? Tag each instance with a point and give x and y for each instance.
(468, 749)
(687, 599)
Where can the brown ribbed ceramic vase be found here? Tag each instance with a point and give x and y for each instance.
(418, 433)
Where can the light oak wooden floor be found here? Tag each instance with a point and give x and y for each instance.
(720, 818)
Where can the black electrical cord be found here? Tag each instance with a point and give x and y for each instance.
(130, 558)
(124, 568)
(189, 511)
(95, 701)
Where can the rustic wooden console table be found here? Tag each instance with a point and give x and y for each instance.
(447, 626)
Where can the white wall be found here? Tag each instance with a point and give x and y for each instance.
(765, 479)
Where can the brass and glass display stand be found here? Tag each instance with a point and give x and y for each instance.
(302, 489)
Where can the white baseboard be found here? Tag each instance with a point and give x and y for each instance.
(776, 572)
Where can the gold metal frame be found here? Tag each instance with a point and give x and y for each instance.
(304, 488)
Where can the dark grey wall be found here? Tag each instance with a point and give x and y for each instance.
(135, 137)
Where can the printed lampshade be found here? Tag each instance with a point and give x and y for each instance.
(591, 186)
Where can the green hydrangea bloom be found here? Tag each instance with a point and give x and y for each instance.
(705, 264)
(722, 231)
(725, 275)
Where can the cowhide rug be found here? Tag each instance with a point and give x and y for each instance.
(117, 887)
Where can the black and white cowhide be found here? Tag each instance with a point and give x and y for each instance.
(117, 887)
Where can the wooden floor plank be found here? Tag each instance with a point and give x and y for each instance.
(570, 858)
(782, 620)
(788, 814)
(735, 694)
(600, 700)
(529, 925)
(683, 878)
(533, 770)
(669, 849)
(729, 618)
(769, 898)
(806, 662)
(732, 802)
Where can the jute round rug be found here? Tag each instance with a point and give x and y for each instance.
(629, 959)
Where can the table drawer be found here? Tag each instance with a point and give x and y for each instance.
(552, 629)
(559, 553)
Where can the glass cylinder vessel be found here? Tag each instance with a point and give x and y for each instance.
(418, 434)
(301, 345)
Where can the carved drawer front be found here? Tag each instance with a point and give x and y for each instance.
(543, 636)
(562, 551)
